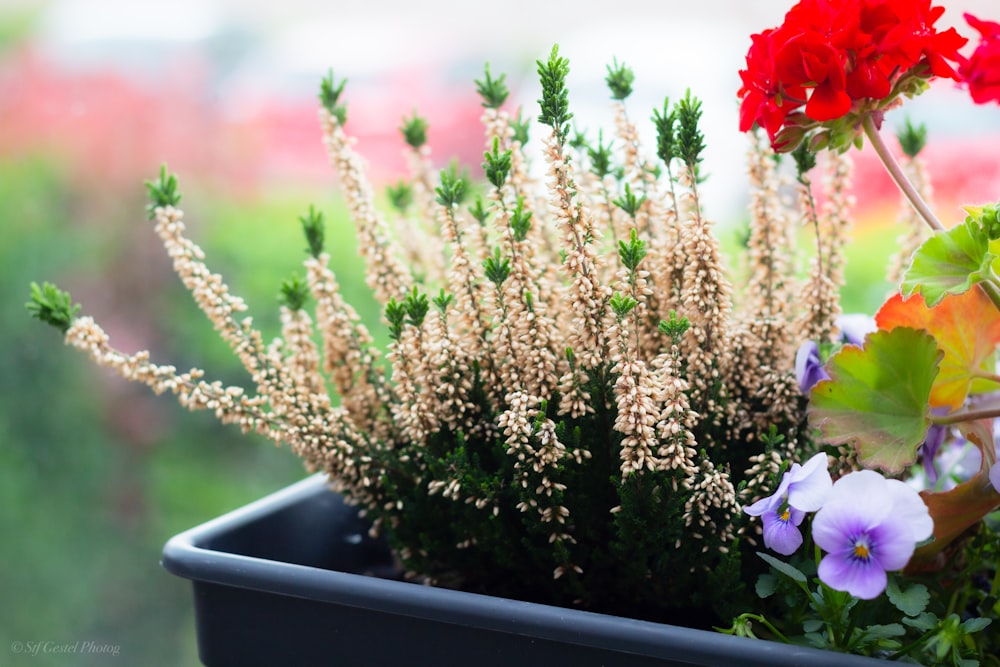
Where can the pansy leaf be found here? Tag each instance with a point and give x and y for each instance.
(766, 585)
(783, 567)
(950, 262)
(876, 397)
(966, 328)
(923, 622)
(912, 601)
(972, 625)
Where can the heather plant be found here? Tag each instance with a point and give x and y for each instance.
(582, 404)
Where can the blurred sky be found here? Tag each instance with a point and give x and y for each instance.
(253, 54)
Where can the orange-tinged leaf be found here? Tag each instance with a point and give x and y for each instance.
(967, 329)
(954, 512)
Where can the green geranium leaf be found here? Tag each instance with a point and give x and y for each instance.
(876, 397)
(783, 567)
(912, 602)
(950, 262)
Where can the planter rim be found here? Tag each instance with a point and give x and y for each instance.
(186, 555)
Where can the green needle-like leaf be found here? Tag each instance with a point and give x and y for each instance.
(950, 262)
(53, 306)
(877, 396)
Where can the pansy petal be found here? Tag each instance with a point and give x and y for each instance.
(995, 476)
(866, 484)
(812, 484)
(763, 505)
(833, 526)
(855, 326)
(891, 544)
(782, 536)
(909, 508)
(809, 366)
(861, 579)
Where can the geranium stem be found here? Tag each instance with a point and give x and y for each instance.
(966, 416)
(902, 182)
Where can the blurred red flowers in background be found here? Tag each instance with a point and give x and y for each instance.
(982, 70)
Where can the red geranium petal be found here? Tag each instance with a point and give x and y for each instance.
(868, 80)
(827, 103)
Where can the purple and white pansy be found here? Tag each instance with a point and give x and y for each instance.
(867, 525)
(803, 488)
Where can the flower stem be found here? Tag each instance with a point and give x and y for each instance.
(760, 619)
(966, 416)
(902, 182)
(983, 375)
(992, 290)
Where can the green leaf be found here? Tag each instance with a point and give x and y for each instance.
(622, 304)
(633, 251)
(497, 165)
(886, 631)
(314, 229)
(912, 602)
(619, 80)
(950, 262)
(162, 192)
(975, 624)
(812, 625)
(912, 138)
(493, 91)
(766, 585)
(783, 567)
(329, 96)
(294, 293)
(497, 267)
(876, 397)
(690, 140)
(629, 202)
(53, 306)
(554, 102)
(666, 132)
(923, 622)
(414, 130)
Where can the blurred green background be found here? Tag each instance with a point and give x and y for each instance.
(96, 473)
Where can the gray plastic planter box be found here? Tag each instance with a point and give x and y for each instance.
(294, 579)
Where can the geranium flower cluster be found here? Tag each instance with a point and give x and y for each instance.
(837, 59)
(867, 525)
(981, 71)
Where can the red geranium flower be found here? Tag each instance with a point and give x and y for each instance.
(837, 57)
(766, 101)
(982, 70)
